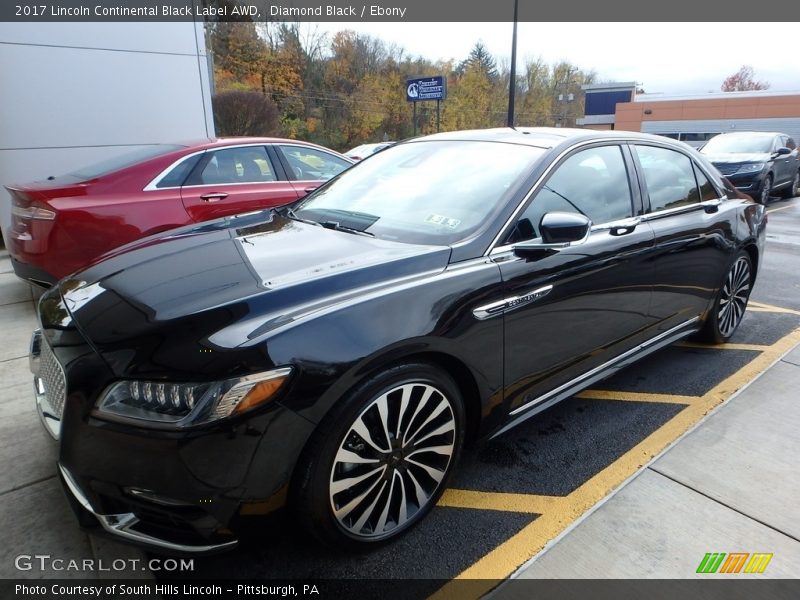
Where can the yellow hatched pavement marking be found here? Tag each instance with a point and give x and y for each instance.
(761, 307)
(523, 503)
(729, 346)
(508, 556)
(636, 397)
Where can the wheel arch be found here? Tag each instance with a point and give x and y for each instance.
(752, 250)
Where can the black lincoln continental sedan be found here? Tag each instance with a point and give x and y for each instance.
(335, 356)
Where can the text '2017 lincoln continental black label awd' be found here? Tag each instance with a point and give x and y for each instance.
(335, 356)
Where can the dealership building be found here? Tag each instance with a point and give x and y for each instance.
(78, 93)
(690, 118)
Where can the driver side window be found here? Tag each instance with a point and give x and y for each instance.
(592, 182)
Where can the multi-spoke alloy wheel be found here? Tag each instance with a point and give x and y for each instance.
(392, 460)
(381, 458)
(733, 299)
(731, 302)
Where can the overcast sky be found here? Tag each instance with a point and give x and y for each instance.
(671, 58)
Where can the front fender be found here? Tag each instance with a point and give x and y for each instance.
(334, 351)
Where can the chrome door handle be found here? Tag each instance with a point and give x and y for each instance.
(624, 226)
(214, 197)
(711, 206)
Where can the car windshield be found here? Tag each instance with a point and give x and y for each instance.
(723, 144)
(427, 192)
(124, 160)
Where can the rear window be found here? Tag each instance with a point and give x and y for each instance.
(124, 160)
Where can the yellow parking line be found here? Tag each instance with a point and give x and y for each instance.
(761, 307)
(729, 346)
(636, 397)
(772, 210)
(524, 503)
(501, 562)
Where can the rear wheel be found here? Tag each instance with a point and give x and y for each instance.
(763, 197)
(794, 188)
(380, 460)
(731, 302)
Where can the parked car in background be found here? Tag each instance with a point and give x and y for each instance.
(757, 163)
(364, 150)
(336, 355)
(63, 223)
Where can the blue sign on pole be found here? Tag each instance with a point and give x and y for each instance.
(426, 88)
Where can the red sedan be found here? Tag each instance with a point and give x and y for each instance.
(62, 224)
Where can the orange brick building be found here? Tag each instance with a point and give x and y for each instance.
(693, 119)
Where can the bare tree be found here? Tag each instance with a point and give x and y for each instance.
(743, 80)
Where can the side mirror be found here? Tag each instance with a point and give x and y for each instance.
(564, 228)
(783, 151)
(558, 230)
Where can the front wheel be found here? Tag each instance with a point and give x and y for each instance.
(379, 462)
(763, 197)
(731, 302)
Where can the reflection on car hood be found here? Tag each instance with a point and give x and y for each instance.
(737, 157)
(248, 270)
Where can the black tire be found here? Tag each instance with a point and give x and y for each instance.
(794, 187)
(766, 189)
(360, 505)
(731, 302)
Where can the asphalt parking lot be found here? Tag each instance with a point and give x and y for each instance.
(509, 497)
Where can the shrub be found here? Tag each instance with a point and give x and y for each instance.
(245, 113)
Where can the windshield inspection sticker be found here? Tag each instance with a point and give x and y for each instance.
(442, 220)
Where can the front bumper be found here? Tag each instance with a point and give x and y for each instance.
(749, 183)
(124, 525)
(173, 492)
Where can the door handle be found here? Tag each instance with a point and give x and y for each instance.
(214, 197)
(711, 206)
(308, 190)
(624, 226)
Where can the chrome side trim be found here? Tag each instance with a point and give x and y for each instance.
(706, 204)
(502, 306)
(604, 366)
(120, 524)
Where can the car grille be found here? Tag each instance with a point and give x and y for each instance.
(52, 376)
(728, 168)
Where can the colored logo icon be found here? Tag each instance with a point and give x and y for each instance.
(735, 562)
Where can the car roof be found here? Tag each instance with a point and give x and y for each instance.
(746, 133)
(541, 137)
(218, 142)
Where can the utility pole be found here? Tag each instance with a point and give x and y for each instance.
(512, 83)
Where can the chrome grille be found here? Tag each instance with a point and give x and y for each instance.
(52, 376)
(728, 168)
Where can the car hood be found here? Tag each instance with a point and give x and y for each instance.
(738, 157)
(227, 282)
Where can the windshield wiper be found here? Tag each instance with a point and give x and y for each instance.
(335, 225)
(286, 211)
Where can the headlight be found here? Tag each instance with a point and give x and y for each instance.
(180, 405)
(751, 168)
